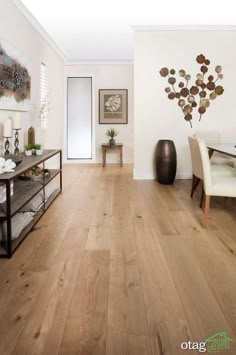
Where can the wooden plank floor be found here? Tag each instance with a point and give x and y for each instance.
(120, 267)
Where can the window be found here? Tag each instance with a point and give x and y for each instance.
(44, 95)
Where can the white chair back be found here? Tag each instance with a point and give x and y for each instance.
(195, 157)
(206, 166)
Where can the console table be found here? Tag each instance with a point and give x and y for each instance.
(106, 146)
(24, 191)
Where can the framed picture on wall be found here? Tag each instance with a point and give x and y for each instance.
(113, 106)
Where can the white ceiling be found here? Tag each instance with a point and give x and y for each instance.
(100, 30)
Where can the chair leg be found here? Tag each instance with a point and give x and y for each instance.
(202, 196)
(206, 211)
(195, 182)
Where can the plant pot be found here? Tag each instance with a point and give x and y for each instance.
(112, 141)
(39, 151)
(28, 153)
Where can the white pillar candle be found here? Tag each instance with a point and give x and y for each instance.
(16, 121)
(7, 128)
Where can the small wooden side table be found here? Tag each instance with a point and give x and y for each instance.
(106, 146)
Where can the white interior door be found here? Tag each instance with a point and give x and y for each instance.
(79, 118)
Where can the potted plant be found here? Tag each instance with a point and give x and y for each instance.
(112, 133)
(28, 150)
(38, 149)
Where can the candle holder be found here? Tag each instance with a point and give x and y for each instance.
(16, 142)
(7, 145)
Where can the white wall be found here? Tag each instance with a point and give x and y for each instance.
(157, 117)
(19, 33)
(108, 77)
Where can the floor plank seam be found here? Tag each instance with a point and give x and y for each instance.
(72, 293)
(143, 297)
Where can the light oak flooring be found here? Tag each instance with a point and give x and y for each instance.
(120, 267)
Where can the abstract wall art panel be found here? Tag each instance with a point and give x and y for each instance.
(15, 79)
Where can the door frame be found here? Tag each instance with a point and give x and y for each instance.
(65, 155)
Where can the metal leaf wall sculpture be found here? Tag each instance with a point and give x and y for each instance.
(196, 96)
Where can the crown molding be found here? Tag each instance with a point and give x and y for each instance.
(99, 62)
(149, 28)
(27, 14)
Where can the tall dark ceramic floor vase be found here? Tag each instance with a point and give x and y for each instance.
(166, 161)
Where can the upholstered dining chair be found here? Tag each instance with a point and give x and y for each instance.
(213, 137)
(216, 170)
(214, 185)
(196, 165)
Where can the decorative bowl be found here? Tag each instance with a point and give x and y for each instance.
(16, 158)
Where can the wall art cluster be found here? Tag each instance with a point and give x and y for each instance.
(15, 80)
(197, 95)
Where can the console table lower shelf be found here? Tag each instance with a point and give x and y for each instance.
(26, 230)
(27, 200)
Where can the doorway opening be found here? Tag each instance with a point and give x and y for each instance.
(79, 118)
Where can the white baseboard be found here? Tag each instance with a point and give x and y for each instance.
(142, 176)
(79, 161)
(183, 176)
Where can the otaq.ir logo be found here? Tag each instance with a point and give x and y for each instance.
(217, 342)
(213, 344)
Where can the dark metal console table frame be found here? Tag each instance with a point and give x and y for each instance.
(13, 203)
